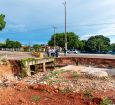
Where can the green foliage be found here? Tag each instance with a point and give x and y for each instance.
(113, 47)
(53, 74)
(24, 61)
(72, 39)
(106, 101)
(98, 43)
(82, 45)
(24, 68)
(36, 98)
(75, 75)
(12, 44)
(36, 47)
(2, 45)
(66, 90)
(23, 73)
(88, 94)
(2, 22)
(3, 61)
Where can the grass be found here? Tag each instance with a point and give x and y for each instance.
(106, 78)
(106, 101)
(75, 75)
(88, 94)
(66, 90)
(36, 98)
(23, 73)
(3, 61)
(53, 77)
(53, 74)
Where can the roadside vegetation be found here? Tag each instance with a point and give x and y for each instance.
(106, 101)
(88, 93)
(36, 98)
(95, 44)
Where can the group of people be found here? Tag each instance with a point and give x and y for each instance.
(52, 52)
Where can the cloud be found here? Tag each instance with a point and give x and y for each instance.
(34, 17)
(107, 31)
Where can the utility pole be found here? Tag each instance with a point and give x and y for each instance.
(29, 46)
(54, 37)
(65, 28)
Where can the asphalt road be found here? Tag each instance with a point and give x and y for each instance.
(105, 56)
(22, 55)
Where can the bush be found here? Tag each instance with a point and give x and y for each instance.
(36, 98)
(66, 90)
(106, 101)
(89, 94)
(75, 75)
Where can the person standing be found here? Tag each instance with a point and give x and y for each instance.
(48, 51)
(56, 52)
(52, 52)
(64, 51)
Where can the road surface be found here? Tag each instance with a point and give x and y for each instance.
(105, 56)
(23, 55)
(16, 55)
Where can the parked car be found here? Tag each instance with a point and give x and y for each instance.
(73, 51)
(111, 52)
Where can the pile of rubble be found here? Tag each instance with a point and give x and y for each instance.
(74, 78)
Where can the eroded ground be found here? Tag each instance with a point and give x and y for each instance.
(64, 86)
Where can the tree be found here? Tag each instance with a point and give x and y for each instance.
(2, 45)
(72, 40)
(36, 47)
(2, 22)
(17, 44)
(98, 43)
(82, 45)
(113, 47)
(12, 44)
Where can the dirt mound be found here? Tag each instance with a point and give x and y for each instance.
(22, 94)
(6, 72)
(9, 70)
(43, 88)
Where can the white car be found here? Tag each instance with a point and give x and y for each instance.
(73, 51)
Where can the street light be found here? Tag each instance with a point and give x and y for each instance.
(65, 29)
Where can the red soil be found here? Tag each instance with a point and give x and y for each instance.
(9, 70)
(22, 94)
(6, 72)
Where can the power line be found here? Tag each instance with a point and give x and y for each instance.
(94, 24)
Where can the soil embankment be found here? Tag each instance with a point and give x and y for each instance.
(59, 87)
(86, 61)
(9, 70)
(6, 72)
(22, 94)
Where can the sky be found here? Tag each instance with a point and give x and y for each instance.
(32, 21)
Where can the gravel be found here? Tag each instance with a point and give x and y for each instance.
(80, 84)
